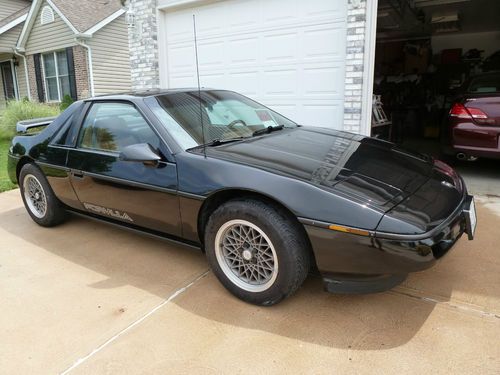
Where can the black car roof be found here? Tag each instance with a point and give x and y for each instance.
(147, 93)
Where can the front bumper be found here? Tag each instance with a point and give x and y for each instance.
(348, 256)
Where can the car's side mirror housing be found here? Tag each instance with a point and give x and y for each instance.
(142, 152)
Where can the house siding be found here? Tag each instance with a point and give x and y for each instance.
(8, 40)
(7, 7)
(111, 58)
(49, 37)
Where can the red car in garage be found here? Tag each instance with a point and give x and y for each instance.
(474, 118)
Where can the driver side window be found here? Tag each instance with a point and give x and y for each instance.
(112, 126)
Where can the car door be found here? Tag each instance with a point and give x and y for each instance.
(134, 192)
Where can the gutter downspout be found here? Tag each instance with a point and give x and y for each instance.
(79, 39)
(25, 72)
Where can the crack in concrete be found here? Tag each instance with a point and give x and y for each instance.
(462, 307)
(79, 361)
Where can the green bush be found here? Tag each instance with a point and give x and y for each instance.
(23, 110)
(66, 102)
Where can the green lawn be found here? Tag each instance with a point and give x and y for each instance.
(5, 183)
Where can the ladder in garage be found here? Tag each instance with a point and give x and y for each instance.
(379, 118)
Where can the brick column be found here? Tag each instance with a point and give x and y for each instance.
(30, 63)
(81, 72)
(143, 43)
(355, 54)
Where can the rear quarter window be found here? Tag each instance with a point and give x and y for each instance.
(486, 84)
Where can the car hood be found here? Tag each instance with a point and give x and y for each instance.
(371, 171)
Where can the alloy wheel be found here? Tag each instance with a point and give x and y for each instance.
(246, 255)
(35, 196)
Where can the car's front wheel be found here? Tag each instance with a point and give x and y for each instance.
(256, 251)
(39, 199)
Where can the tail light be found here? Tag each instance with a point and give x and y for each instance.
(458, 110)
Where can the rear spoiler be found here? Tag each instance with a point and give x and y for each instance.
(25, 125)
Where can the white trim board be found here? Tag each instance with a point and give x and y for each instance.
(369, 67)
(13, 23)
(104, 22)
(169, 4)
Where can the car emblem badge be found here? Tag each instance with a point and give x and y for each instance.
(107, 211)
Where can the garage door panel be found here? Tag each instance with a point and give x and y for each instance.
(323, 43)
(279, 82)
(211, 53)
(323, 82)
(209, 20)
(243, 51)
(328, 115)
(287, 54)
(280, 47)
(280, 10)
(246, 82)
(182, 80)
(242, 14)
(181, 57)
(293, 112)
(334, 9)
(212, 80)
(178, 27)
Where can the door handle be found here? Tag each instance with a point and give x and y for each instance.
(77, 174)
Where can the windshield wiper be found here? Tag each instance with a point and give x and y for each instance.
(218, 142)
(267, 130)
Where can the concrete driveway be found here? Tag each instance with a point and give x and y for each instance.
(89, 298)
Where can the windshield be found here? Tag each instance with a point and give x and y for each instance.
(225, 114)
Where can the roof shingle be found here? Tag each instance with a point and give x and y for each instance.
(83, 14)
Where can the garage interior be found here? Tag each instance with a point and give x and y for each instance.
(425, 49)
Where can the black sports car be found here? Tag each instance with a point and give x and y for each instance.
(267, 200)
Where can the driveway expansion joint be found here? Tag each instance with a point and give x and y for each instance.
(440, 301)
(178, 292)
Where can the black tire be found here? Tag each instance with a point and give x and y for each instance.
(54, 212)
(288, 239)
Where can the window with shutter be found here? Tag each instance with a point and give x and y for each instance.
(56, 75)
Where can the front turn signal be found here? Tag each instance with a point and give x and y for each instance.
(340, 228)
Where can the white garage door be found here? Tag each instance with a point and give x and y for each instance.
(287, 54)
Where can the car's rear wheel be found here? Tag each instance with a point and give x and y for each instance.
(39, 199)
(256, 251)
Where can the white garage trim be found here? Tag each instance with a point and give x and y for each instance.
(162, 48)
(369, 67)
(166, 4)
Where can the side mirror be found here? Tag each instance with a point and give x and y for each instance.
(142, 152)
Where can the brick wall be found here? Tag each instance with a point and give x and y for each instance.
(81, 72)
(355, 54)
(143, 43)
(30, 63)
